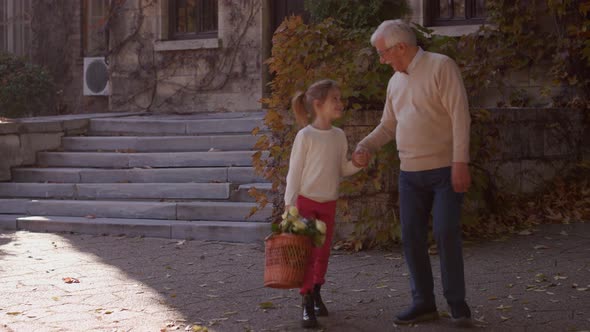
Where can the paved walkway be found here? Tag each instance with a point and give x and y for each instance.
(538, 282)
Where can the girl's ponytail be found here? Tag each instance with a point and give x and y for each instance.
(298, 107)
(302, 102)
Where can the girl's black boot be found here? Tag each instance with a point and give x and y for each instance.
(308, 320)
(319, 306)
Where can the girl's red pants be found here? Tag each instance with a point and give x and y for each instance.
(318, 263)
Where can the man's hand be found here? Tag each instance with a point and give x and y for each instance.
(460, 177)
(361, 157)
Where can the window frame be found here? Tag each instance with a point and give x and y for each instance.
(88, 25)
(433, 10)
(12, 21)
(173, 19)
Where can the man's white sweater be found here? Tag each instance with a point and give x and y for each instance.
(427, 112)
(318, 161)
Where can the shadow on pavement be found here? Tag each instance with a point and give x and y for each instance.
(6, 237)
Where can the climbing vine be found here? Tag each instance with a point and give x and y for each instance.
(157, 80)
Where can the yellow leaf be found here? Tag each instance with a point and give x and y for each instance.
(266, 305)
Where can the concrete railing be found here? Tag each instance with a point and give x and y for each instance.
(21, 139)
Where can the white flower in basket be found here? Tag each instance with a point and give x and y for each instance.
(293, 223)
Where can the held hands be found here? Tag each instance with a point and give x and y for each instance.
(361, 157)
(460, 177)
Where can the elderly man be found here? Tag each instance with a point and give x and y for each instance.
(426, 111)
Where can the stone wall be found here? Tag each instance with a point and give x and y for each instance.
(57, 45)
(151, 72)
(533, 146)
(21, 139)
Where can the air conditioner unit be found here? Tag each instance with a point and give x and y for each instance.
(96, 77)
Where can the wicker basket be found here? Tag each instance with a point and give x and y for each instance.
(286, 260)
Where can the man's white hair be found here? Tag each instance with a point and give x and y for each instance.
(393, 32)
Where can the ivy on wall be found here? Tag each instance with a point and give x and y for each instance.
(303, 53)
(153, 72)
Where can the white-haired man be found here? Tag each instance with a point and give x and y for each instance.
(426, 112)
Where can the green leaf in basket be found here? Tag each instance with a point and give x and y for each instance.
(275, 227)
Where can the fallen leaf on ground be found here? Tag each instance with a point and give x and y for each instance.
(504, 307)
(540, 277)
(266, 305)
(525, 232)
(504, 318)
(14, 313)
(69, 280)
(564, 233)
(90, 216)
(540, 246)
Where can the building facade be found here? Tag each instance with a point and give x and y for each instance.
(172, 55)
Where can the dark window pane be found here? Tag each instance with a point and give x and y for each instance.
(191, 20)
(459, 9)
(209, 15)
(480, 8)
(444, 9)
(193, 17)
(3, 33)
(181, 16)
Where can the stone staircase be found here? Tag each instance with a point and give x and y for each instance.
(173, 176)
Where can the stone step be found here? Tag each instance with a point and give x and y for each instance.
(169, 191)
(148, 126)
(159, 143)
(156, 159)
(173, 229)
(229, 211)
(241, 194)
(222, 211)
(237, 175)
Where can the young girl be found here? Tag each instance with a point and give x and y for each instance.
(318, 161)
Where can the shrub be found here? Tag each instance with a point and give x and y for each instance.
(303, 53)
(25, 89)
(366, 13)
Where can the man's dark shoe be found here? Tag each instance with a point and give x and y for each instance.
(308, 320)
(416, 314)
(461, 315)
(318, 305)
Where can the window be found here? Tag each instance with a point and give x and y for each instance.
(191, 19)
(456, 12)
(15, 27)
(94, 33)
